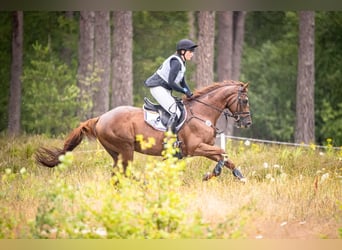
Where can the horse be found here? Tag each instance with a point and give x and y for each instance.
(117, 129)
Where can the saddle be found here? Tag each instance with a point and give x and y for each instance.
(157, 117)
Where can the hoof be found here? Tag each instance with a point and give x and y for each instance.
(243, 180)
(207, 176)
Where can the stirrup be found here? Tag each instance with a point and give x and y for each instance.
(177, 144)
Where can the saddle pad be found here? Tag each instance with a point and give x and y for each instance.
(153, 119)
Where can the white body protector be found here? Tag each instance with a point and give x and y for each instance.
(162, 95)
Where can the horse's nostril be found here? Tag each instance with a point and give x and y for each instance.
(248, 124)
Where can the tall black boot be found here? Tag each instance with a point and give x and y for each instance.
(171, 124)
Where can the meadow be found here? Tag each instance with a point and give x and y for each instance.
(291, 193)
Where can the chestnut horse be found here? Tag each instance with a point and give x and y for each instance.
(117, 129)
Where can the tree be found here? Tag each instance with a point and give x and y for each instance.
(205, 52)
(328, 91)
(239, 34)
(50, 93)
(230, 45)
(14, 107)
(122, 68)
(269, 64)
(191, 24)
(102, 62)
(86, 61)
(305, 117)
(225, 45)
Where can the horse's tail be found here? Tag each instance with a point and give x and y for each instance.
(50, 157)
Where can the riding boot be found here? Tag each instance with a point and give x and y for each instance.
(171, 124)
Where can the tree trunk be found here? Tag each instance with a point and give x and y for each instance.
(305, 118)
(14, 107)
(66, 51)
(191, 23)
(239, 33)
(86, 62)
(225, 45)
(230, 45)
(102, 62)
(122, 83)
(205, 52)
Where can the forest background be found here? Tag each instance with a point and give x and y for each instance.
(57, 93)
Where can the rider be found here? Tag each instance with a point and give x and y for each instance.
(170, 76)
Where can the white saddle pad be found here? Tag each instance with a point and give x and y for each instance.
(153, 119)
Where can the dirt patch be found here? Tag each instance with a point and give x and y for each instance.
(292, 230)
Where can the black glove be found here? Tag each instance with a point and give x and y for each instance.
(188, 93)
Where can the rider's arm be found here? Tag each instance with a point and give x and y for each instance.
(183, 84)
(175, 67)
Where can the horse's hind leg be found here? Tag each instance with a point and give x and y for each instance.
(115, 157)
(125, 154)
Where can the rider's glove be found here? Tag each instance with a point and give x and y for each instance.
(187, 92)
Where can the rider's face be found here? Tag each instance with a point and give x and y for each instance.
(188, 55)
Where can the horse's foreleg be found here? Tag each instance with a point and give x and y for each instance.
(217, 154)
(216, 171)
(213, 153)
(236, 172)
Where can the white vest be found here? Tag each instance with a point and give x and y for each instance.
(164, 69)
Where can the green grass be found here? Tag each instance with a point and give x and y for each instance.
(291, 193)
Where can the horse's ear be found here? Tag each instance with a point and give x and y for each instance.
(245, 86)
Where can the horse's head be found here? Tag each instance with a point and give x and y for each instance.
(239, 108)
(231, 95)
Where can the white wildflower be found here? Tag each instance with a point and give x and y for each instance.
(283, 176)
(101, 231)
(324, 177)
(247, 143)
(283, 223)
(23, 171)
(265, 165)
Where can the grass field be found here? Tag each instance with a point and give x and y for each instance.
(291, 192)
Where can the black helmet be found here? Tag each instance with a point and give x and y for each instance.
(186, 44)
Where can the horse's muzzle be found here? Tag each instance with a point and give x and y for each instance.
(244, 121)
(248, 124)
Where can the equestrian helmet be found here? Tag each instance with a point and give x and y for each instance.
(186, 44)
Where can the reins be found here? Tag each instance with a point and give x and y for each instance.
(226, 112)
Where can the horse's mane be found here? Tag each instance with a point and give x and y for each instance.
(213, 86)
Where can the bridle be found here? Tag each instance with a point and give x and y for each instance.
(239, 115)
